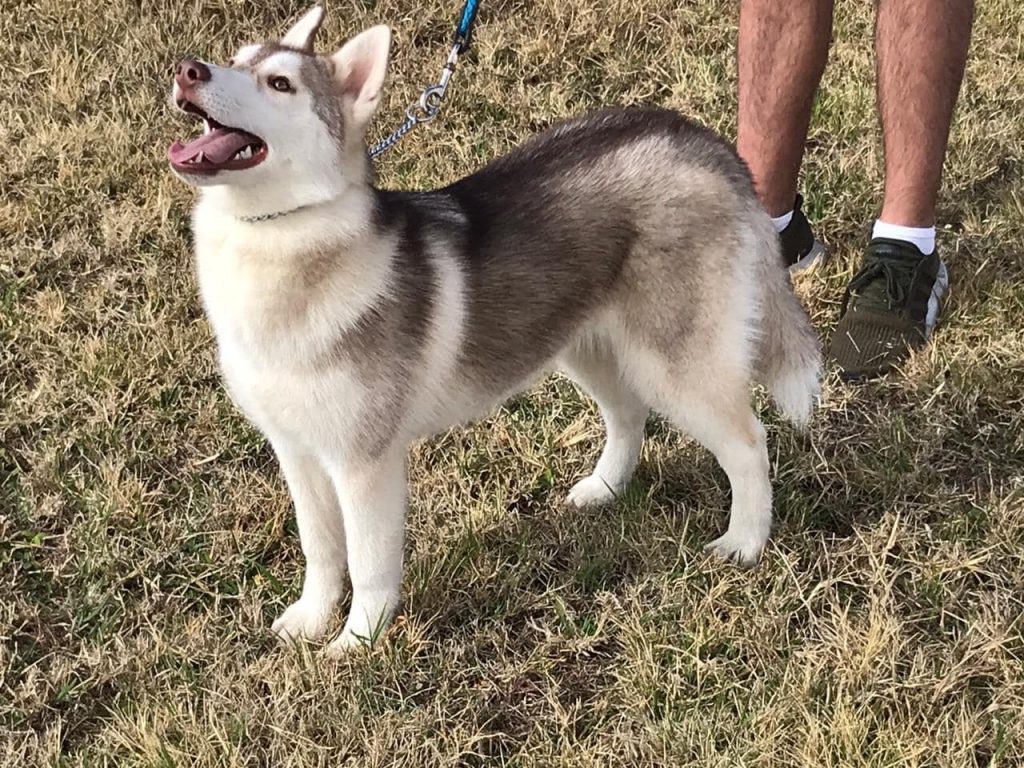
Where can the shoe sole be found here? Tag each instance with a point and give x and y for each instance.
(939, 287)
(811, 260)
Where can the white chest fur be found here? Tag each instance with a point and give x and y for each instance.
(277, 293)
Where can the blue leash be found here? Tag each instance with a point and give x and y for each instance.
(428, 106)
(465, 28)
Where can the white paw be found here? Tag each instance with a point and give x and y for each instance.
(347, 642)
(738, 547)
(367, 622)
(302, 620)
(590, 492)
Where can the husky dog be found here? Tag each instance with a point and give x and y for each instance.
(625, 248)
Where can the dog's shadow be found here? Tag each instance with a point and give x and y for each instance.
(879, 452)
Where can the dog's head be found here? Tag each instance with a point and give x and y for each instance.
(278, 114)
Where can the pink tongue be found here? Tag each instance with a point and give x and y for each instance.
(217, 146)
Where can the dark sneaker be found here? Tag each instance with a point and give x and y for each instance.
(800, 250)
(890, 308)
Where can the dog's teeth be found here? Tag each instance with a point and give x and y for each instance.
(201, 158)
(207, 125)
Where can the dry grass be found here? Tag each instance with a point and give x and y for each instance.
(146, 540)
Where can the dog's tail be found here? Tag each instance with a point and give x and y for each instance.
(789, 354)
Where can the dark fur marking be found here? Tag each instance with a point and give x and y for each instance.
(603, 132)
(266, 50)
(559, 251)
(319, 79)
(539, 252)
(387, 345)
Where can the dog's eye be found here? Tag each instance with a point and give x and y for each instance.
(280, 84)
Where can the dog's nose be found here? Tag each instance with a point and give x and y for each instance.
(190, 72)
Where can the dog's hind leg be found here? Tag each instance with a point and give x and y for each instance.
(592, 365)
(724, 423)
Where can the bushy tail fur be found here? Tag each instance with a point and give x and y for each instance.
(789, 359)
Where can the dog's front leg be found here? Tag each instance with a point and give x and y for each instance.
(322, 533)
(373, 505)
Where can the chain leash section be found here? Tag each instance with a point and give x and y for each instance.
(428, 106)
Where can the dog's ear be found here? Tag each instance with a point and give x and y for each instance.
(301, 34)
(359, 69)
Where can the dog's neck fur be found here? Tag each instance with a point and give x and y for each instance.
(255, 202)
(243, 202)
(338, 224)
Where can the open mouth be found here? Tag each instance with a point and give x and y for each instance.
(220, 148)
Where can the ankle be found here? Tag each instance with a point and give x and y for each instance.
(922, 238)
(781, 222)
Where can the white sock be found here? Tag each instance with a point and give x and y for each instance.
(781, 222)
(921, 237)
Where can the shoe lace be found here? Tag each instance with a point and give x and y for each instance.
(897, 272)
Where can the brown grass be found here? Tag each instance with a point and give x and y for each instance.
(146, 539)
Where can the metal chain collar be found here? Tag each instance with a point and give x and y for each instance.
(269, 216)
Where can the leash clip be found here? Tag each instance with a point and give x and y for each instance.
(428, 106)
